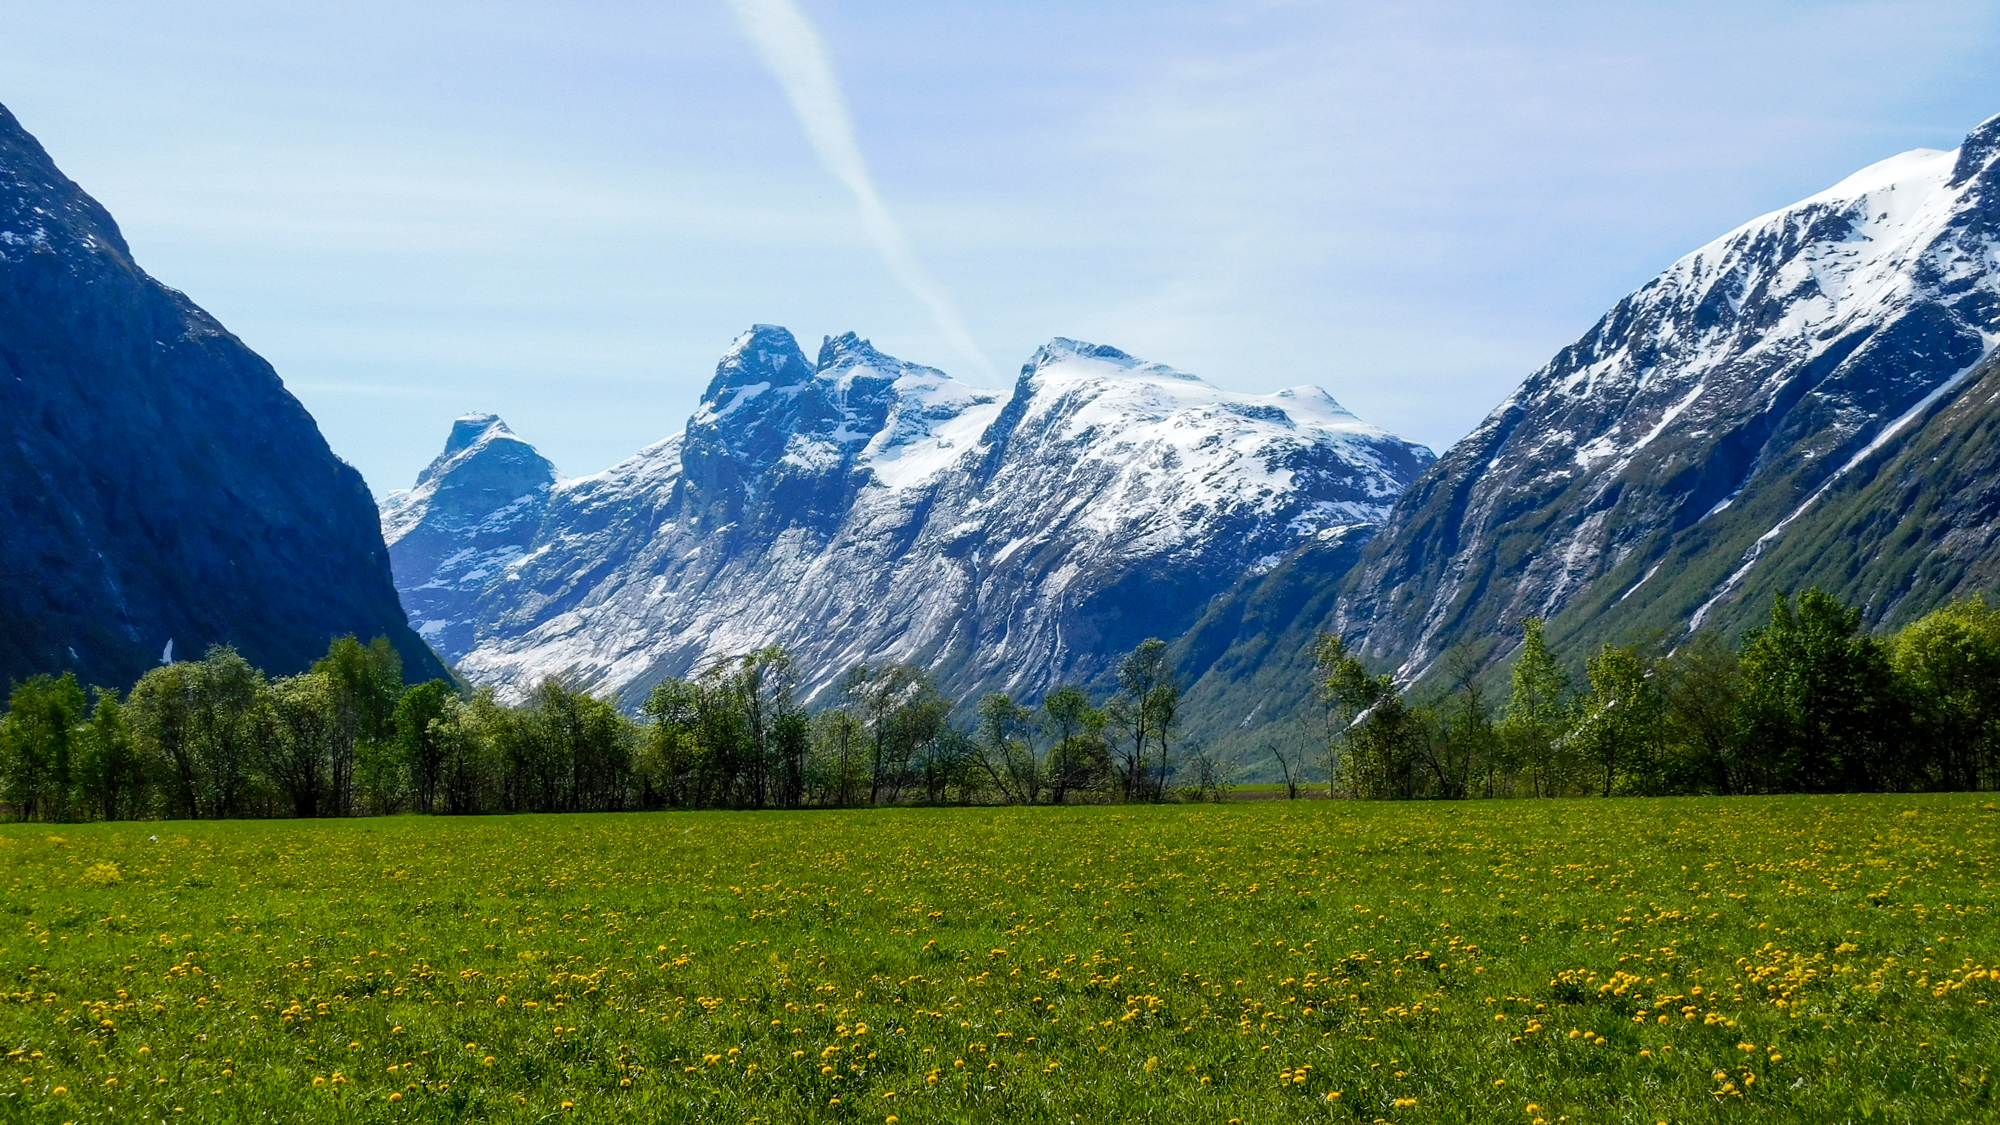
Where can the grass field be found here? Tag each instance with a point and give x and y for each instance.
(1793, 959)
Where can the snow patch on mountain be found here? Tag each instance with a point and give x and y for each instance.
(1769, 357)
(859, 508)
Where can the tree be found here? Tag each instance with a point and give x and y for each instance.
(422, 733)
(1290, 767)
(576, 750)
(1820, 700)
(1164, 701)
(1135, 710)
(880, 694)
(1076, 755)
(1619, 721)
(1471, 743)
(1373, 733)
(671, 751)
(109, 772)
(1006, 732)
(839, 742)
(296, 744)
(38, 746)
(1699, 685)
(1537, 716)
(1949, 663)
(367, 681)
(199, 721)
(471, 772)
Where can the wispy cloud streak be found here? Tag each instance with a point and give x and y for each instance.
(791, 47)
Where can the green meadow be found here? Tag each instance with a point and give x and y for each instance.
(1682, 960)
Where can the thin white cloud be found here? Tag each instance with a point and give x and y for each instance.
(791, 47)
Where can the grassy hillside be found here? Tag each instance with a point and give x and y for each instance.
(1249, 663)
(1681, 960)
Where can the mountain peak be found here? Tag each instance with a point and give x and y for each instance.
(1657, 472)
(1098, 359)
(467, 429)
(160, 480)
(471, 434)
(849, 350)
(473, 510)
(766, 354)
(1978, 151)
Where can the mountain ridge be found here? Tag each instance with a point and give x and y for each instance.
(1692, 419)
(158, 481)
(859, 508)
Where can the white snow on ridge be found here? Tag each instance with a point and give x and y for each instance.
(972, 530)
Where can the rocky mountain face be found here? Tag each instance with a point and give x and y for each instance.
(1699, 448)
(855, 508)
(157, 481)
(474, 510)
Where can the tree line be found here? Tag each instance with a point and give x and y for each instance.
(1809, 702)
(216, 738)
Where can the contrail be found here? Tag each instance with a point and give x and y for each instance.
(790, 46)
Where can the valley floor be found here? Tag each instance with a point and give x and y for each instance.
(1684, 960)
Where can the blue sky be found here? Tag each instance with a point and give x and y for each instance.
(563, 212)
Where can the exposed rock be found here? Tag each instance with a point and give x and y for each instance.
(1640, 483)
(859, 508)
(157, 481)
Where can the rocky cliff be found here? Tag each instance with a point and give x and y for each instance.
(1648, 479)
(857, 508)
(157, 481)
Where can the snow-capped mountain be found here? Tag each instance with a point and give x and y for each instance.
(474, 510)
(857, 508)
(1646, 477)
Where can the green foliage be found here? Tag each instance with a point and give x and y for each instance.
(424, 720)
(1538, 714)
(1618, 723)
(1949, 664)
(1819, 701)
(1146, 715)
(39, 751)
(1078, 760)
(110, 774)
(1811, 704)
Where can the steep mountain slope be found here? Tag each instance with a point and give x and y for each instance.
(857, 508)
(1645, 478)
(474, 510)
(157, 481)
(1247, 663)
(1915, 525)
